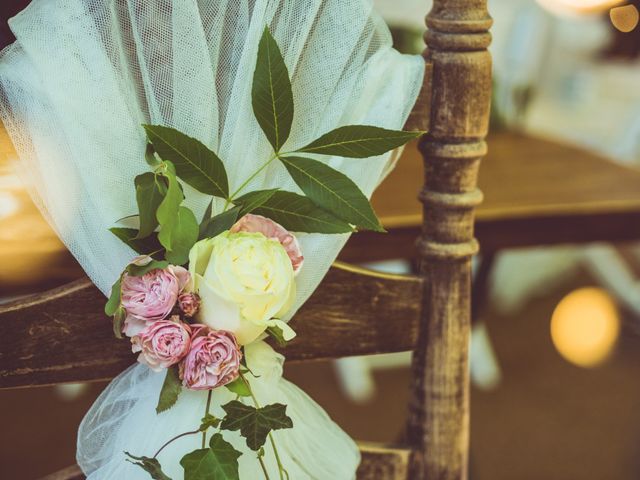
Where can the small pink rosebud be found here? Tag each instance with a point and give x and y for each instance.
(212, 361)
(162, 343)
(189, 303)
(271, 229)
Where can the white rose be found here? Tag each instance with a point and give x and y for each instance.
(245, 282)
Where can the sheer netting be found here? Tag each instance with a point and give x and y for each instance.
(75, 88)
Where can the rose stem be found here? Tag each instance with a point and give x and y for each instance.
(273, 442)
(206, 412)
(175, 438)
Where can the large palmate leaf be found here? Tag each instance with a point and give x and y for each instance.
(150, 191)
(195, 163)
(218, 462)
(299, 214)
(271, 95)
(333, 191)
(149, 465)
(253, 200)
(171, 389)
(359, 141)
(143, 246)
(214, 226)
(255, 423)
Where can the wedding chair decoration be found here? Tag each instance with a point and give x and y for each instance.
(251, 111)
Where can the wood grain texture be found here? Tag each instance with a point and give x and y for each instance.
(64, 336)
(438, 426)
(380, 462)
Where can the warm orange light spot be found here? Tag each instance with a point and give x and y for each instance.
(624, 18)
(585, 326)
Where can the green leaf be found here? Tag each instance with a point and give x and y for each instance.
(218, 462)
(271, 94)
(299, 214)
(206, 217)
(239, 387)
(113, 303)
(195, 163)
(118, 321)
(278, 335)
(168, 210)
(332, 191)
(359, 141)
(171, 389)
(208, 421)
(150, 156)
(255, 423)
(218, 224)
(140, 270)
(150, 191)
(252, 200)
(149, 465)
(143, 246)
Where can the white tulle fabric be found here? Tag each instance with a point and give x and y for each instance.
(75, 87)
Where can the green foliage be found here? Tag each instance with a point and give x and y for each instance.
(239, 387)
(278, 336)
(149, 465)
(271, 94)
(299, 214)
(114, 299)
(143, 246)
(332, 191)
(118, 321)
(150, 156)
(359, 141)
(218, 462)
(139, 270)
(171, 389)
(255, 423)
(252, 200)
(214, 226)
(208, 421)
(194, 162)
(150, 191)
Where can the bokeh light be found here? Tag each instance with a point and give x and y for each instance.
(585, 326)
(578, 6)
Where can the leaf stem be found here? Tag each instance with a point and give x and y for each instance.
(264, 468)
(251, 177)
(206, 412)
(175, 438)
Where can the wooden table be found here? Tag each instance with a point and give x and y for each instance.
(536, 193)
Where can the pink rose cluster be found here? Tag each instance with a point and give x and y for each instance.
(156, 303)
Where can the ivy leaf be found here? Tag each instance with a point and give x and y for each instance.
(143, 246)
(218, 224)
(149, 465)
(252, 200)
(150, 191)
(271, 95)
(208, 421)
(113, 303)
(196, 164)
(255, 423)
(118, 321)
(139, 270)
(332, 191)
(218, 462)
(278, 335)
(239, 387)
(299, 214)
(171, 389)
(359, 141)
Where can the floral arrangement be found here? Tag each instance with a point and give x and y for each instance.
(200, 291)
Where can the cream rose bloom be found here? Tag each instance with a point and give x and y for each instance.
(245, 282)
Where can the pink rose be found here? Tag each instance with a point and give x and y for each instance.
(151, 296)
(213, 361)
(271, 229)
(189, 303)
(162, 343)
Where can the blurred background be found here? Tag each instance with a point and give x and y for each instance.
(556, 348)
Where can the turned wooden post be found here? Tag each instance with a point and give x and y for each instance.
(457, 40)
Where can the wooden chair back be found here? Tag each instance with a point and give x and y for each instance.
(428, 314)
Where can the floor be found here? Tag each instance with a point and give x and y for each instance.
(547, 420)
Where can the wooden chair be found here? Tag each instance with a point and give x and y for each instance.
(428, 314)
